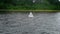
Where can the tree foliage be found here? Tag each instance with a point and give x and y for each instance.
(54, 2)
(4, 4)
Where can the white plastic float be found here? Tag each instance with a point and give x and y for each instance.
(30, 14)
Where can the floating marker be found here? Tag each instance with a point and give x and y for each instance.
(30, 15)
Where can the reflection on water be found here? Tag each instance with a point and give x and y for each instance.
(20, 23)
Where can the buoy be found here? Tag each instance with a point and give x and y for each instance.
(30, 14)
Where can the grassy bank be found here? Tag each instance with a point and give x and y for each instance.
(8, 11)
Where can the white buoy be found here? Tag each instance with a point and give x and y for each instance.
(30, 15)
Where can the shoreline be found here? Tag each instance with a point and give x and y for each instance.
(3, 10)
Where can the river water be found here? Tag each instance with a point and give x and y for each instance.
(20, 23)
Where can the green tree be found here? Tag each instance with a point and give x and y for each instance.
(53, 1)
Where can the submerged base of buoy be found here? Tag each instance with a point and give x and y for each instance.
(30, 15)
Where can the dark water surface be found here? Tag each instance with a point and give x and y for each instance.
(20, 23)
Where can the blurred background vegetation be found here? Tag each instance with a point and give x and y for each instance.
(29, 5)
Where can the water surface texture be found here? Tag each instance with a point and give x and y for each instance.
(20, 23)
